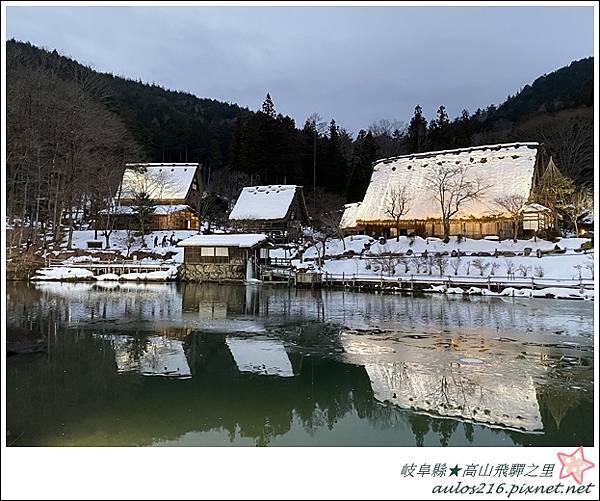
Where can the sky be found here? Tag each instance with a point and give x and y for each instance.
(355, 64)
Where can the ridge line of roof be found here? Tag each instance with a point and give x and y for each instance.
(426, 154)
(163, 164)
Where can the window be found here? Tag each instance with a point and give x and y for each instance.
(199, 255)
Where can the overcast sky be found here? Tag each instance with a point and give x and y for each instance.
(356, 64)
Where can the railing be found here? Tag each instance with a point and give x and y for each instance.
(449, 280)
(117, 263)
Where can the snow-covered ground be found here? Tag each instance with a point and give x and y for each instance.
(118, 243)
(562, 263)
(552, 292)
(66, 273)
(356, 244)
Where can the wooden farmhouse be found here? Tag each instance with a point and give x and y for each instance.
(276, 210)
(174, 189)
(224, 257)
(503, 169)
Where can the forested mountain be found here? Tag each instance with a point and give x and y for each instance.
(568, 87)
(171, 126)
(238, 146)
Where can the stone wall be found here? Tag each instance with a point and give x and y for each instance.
(211, 272)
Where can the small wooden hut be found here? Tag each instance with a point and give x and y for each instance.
(224, 257)
(276, 210)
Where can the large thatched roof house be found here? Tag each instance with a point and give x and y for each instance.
(503, 170)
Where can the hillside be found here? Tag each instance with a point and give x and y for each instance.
(270, 148)
(170, 125)
(568, 87)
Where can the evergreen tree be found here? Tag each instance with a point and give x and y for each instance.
(417, 132)
(365, 153)
(440, 133)
(463, 130)
(268, 108)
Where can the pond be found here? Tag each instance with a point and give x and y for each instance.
(221, 365)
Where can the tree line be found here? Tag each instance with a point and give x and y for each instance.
(70, 130)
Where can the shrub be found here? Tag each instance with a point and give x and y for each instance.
(524, 269)
(481, 265)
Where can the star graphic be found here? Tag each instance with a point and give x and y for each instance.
(454, 471)
(574, 465)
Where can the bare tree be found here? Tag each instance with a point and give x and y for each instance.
(328, 212)
(397, 205)
(128, 240)
(523, 269)
(441, 262)
(386, 262)
(455, 264)
(513, 206)
(509, 265)
(589, 265)
(494, 268)
(228, 184)
(453, 188)
(60, 137)
(404, 261)
(481, 265)
(575, 205)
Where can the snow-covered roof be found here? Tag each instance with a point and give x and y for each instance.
(535, 207)
(264, 202)
(349, 216)
(160, 181)
(165, 209)
(243, 240)
(506, 169)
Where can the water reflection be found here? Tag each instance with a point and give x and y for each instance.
(277, 366)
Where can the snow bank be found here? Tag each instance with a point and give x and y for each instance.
(63, 273)
(548, 292)
(418, 245)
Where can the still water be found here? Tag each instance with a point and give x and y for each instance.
(209, 365)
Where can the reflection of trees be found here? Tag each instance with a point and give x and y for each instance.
(79, 382)
(419, 424)
(137, 345)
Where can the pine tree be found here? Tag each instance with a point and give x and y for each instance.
(440, 134)
(463, 130)
(268, 108)
(365, 153)
(417, 132)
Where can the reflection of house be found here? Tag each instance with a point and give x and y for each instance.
(261, 356)
(223, 256)
(175, 190)
(154, 356)
(504, 170)
(277, 210)
(460, 390)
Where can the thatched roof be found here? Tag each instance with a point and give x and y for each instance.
(506, 169)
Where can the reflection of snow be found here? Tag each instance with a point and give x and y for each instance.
(498, 396)
(159, 357)
(262, 356)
